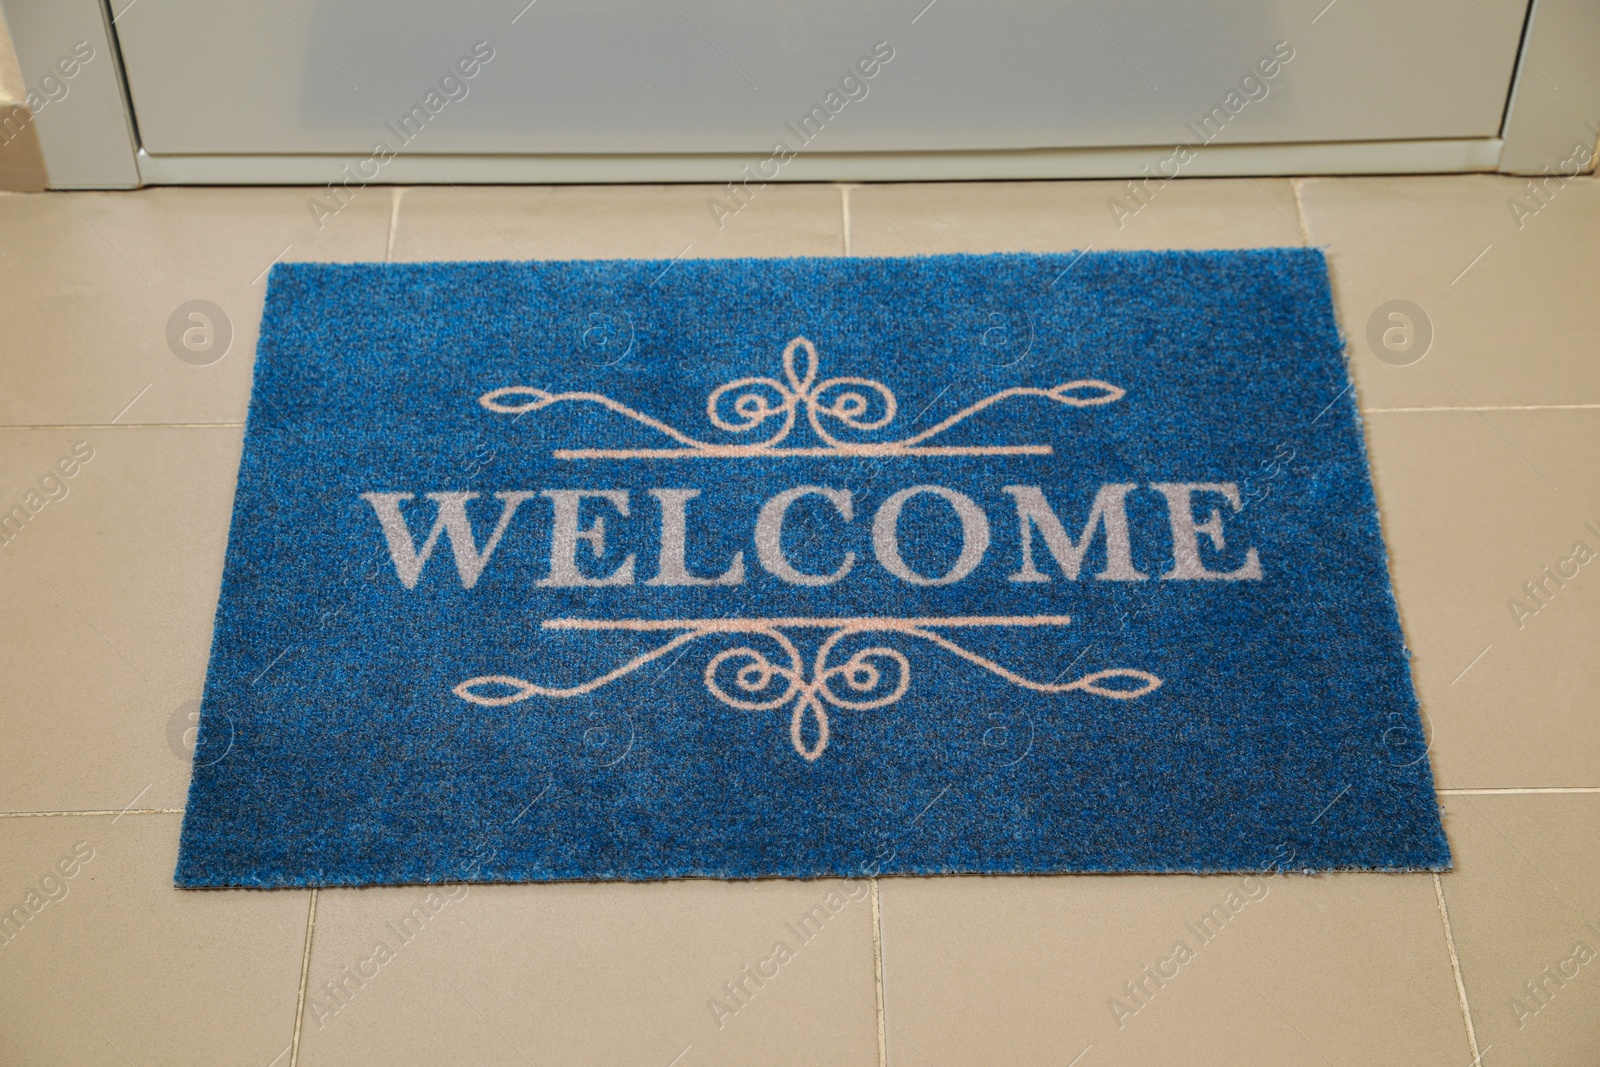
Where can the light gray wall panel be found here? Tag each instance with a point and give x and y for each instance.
(693, 76)
(83, 126)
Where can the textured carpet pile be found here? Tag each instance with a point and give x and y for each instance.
(805, 567)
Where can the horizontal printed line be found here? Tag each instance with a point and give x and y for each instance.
(107, 811)
(741, 626)
(844, 452)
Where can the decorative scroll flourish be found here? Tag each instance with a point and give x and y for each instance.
(750, 679)
(772, 406)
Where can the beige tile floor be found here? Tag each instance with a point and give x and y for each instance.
(1486, 454)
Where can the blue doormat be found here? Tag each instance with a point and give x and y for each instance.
(805, 567)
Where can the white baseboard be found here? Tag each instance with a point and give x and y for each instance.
(1216, 160)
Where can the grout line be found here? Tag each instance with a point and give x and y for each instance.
(844, 203)
(877, 974)
(1300, 210)
(1304, 226)
(394, 224)
(1488, 407)
(305, 973)
(97, 811)
(1512, 791)
(123, 426)
(1455, 966)
(131, 803)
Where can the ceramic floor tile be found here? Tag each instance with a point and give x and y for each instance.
(110, 592)
(110, 589)
(581, 974)
(905, 220)
(1475, 507)
(624, 221)
(1524, 905)
(103, 962)
(1343, 968)
(91, 284)
(1515, 326)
